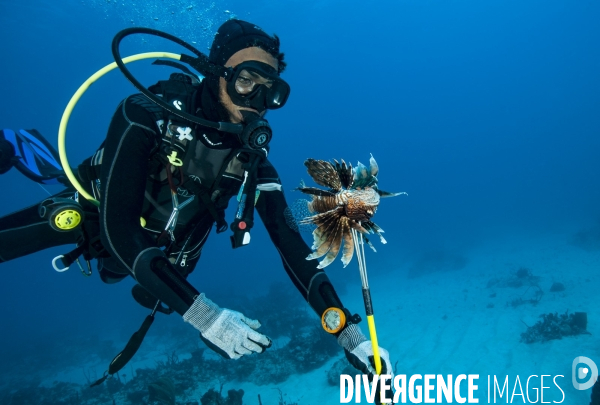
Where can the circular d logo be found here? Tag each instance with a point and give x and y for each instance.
(585, 370)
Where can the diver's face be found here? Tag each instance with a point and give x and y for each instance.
(243, 55)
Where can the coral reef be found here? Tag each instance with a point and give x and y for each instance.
(555, 326)
(162, 391)
(342, 366)
(287, 318)
(522, 278)
(59, 394)
(212, 397)
(532, 295)
(175, 380)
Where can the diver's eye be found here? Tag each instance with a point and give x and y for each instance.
(244, 81)
(244, 85)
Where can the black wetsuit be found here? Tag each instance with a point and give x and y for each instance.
(133, 184)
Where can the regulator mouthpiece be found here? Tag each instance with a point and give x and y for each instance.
(257, 132)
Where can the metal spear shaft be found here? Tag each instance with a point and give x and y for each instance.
(359, 246)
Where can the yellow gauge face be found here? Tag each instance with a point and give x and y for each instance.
(333, 320)
(67, 219)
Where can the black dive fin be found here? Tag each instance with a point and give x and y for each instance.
(134, 343)
(35, 157)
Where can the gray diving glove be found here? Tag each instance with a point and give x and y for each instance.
(359, 352)
(227, 332)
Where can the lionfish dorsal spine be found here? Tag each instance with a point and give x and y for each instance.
(324, 174)
(373, 166)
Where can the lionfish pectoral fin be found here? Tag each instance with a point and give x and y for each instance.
(312, 256)
(356, 226)
(336, 243)
(319, 242)
(333, 247)
(385, 194)
(324, 236)
(348, 251)
(322, 242)
(324, 221)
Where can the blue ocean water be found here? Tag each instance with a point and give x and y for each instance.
(485, 112)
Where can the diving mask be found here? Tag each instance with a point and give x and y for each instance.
(257, 85)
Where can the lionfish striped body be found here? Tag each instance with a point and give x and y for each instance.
(349, 204)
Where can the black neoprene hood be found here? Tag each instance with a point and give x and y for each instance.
(235, 35)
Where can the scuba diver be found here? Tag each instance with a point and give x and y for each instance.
(164, 182)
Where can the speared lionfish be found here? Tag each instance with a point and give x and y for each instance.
(350, 203)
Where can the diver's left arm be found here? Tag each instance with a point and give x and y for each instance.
(313, 283)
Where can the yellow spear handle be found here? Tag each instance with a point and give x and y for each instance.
(373, 333)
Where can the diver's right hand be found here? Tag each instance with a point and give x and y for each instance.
(227, 332)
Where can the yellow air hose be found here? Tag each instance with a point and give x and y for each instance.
(62, 129)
